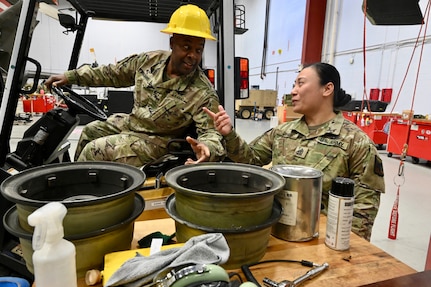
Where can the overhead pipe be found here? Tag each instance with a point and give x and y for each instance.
(335, 15)
(265, 42)
(327, 27)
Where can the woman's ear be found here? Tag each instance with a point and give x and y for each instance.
(170, 42)
(328, 89)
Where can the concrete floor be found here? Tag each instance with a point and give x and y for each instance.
(414, 228)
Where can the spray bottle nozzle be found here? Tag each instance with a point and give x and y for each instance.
(48, 224)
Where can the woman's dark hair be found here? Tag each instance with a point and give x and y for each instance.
(328, 73)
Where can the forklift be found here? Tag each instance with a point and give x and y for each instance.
(46, 140)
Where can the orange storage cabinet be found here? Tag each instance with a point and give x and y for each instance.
(39, 104)
(376, 125)
(374, 94)
(386, 95)
(420, 141)
(350, 116)
(417, 136)
(398, 135)
(373, 124)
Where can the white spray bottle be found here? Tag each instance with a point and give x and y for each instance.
(54, 258)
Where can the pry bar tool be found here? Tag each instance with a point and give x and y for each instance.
(307, 276)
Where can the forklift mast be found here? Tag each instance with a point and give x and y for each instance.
(221, 9)
(14, 81)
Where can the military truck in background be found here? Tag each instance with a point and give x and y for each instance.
(261, 104)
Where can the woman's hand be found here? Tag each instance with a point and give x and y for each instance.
(222, 121)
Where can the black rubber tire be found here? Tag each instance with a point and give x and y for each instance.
(245, 113)
(268, 113)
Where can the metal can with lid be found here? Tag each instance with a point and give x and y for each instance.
(301, 201)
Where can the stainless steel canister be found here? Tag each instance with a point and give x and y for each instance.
(300, 199)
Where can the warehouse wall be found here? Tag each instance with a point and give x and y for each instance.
(284, 42)
(388, 53)
(111, 40)
(388, 49)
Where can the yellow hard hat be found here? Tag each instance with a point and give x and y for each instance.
(189, 20)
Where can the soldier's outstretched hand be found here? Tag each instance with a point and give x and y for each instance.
(201, 151)
(56, 80)
(222, 121)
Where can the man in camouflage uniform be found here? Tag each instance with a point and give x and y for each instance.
(170, 92)
(321, 139)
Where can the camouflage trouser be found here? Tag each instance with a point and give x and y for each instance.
(113, 141)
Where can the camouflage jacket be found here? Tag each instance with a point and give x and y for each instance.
(165, 108)
(337, 148)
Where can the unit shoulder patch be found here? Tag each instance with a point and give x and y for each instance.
(378, 166)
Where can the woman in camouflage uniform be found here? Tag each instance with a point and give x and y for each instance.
(322, 139)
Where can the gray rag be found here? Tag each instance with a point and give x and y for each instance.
(210, 248)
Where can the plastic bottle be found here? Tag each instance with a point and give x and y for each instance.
(340, 213)
(362, 121)
(54, 258)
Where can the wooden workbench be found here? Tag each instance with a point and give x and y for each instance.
(363, 264)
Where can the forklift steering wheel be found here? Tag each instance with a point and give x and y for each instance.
(78, 103)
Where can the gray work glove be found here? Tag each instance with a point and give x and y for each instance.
(211, 248)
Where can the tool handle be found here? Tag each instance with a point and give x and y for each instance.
(310, 274)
